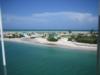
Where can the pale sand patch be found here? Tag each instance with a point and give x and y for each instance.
(60, 43)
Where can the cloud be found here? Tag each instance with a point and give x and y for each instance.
(49, 19)
(73, 16)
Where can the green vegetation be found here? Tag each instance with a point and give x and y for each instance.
(72, 38)
(44, 36)
(92, 38)
(53, 37)
(87, 39)
(15, 35)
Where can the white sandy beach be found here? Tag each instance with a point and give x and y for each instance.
(60, 43)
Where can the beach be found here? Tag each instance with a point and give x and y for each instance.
(60, 43)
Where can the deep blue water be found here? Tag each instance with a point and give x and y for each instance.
(24, 59)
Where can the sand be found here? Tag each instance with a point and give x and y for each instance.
(60, 43)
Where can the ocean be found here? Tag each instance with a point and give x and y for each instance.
(26, 59)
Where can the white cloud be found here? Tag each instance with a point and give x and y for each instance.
(49, 16)
(54, 18)
(73, 16)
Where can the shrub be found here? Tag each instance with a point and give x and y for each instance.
(53, 37)
(86, 39)
(70, 39)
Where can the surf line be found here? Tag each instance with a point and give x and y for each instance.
(2, 46)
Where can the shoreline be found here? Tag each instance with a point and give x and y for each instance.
(61, 43)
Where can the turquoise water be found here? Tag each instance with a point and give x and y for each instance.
(1, 67)
(24, 59)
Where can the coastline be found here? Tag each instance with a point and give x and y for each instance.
(61, 43)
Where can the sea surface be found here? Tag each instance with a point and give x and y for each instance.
(25, 59)
(45, 30)
(1, 66)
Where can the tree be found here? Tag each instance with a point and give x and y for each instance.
(53, 37)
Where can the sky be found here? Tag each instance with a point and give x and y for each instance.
(0, 17)
(50, 14)
(0, 20)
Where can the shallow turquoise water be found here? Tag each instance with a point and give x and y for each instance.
(24, 59)
(1, 67)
